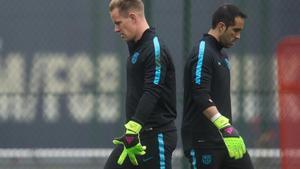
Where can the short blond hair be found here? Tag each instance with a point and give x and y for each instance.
(126, 5)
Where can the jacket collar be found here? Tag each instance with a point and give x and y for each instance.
(213, 41)
(147, 35)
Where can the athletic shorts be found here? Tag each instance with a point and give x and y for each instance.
(160, 146)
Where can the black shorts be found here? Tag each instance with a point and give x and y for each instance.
(160, 146)
(208, 157)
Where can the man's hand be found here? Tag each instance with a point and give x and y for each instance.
(233, 141)
(131, 143)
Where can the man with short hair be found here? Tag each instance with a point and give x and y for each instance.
(150, 133)
(209, 139)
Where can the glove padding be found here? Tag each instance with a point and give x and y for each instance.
(233, 141)
(131, 143)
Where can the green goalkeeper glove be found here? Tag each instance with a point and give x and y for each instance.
(131, 143)
(233, 141)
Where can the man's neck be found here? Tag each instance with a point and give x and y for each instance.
(141, 29)
(214, 33)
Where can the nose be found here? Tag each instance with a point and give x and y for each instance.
(238, 36)
(117, 29)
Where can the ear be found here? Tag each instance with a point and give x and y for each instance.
(132, 16)
(221, 27)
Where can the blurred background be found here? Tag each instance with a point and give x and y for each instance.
(62, 78)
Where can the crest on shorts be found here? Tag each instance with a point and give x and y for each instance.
(206, 159)
(135, 57)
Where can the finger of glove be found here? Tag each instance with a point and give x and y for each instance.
(140, 152)
(237, 149)
(132, 159)
(140, 149)
(243, 146)
(233, 148)
(229, 148)
(136, 150)
(122, 157)
(117, 142)
(239, 152)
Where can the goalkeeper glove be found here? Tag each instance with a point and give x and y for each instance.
(233, 141)
(131, 143)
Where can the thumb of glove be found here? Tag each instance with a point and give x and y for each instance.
(117, 141)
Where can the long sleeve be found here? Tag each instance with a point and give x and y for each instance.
(154, 75)
(202, 71)
(151, 83)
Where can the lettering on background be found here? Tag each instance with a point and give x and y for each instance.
(87, 88)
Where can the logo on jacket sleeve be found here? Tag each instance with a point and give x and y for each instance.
(135, 57)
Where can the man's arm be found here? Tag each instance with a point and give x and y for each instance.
(155, 68)
(210, 112)
(202, 73)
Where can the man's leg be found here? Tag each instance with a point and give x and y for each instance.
(160, 146)
(243, 163)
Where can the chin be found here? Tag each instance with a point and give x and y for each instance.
(125, 39)
(228, 45)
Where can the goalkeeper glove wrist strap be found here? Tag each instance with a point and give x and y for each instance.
(215, 117)
(133, 127)
(221, 121)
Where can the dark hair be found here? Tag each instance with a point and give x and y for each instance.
(226, 14)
